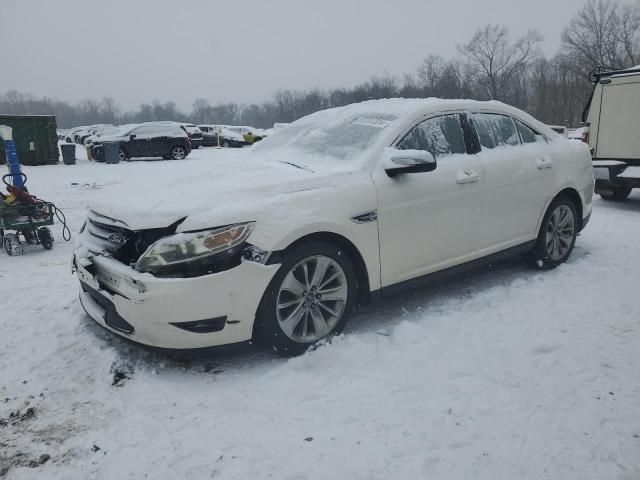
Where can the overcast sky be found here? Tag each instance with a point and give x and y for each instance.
(140, 50)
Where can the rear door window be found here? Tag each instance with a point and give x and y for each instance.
(440, 136)
(527, 134)
(495, 130)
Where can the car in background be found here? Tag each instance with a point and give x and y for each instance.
(343, 205)
(221, 136)
(250, 134)
(194, 133)
(82, 135)
(73, 132)
(165, 140)
(62, 134)
(103, 130)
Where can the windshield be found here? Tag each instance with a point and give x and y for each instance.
(323, 136)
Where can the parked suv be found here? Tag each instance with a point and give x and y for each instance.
(342, 206)
(146, 140)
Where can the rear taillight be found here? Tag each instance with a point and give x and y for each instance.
(585, 137)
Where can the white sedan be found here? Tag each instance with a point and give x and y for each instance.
(341, 207)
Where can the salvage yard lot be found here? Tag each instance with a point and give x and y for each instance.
(507, 373)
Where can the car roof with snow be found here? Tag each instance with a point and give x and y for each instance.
(356, 130)
(407, 107)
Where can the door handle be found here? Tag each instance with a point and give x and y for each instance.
(544, 162)
(467, 176)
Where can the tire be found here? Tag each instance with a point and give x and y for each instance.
(46, 238)
(178, 152)
(122, 155)
(617, 194)
(292, 315)
(12, 245)
(225, 144)
(557, 236)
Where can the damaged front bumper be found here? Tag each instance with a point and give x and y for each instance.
(173, 313)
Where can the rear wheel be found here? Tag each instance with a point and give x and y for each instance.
(178, 153)
(557, 235)
(617, 194)
(122, 154)
(225, 144)
(46, 238)
(309, 299)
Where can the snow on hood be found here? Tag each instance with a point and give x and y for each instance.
(229, 191)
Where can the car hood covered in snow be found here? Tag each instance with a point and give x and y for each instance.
(231, 191)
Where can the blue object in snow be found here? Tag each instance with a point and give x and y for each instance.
(18, 179)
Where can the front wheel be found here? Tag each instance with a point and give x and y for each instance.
(12, 244)
(178, 153)
(122, 154)
(557, 235)
(309, 299)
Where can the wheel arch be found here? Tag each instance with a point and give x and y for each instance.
(572, 194)
(360, 266)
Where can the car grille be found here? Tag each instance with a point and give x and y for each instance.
(108, 235)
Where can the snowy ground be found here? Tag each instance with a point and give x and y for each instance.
(506, 374)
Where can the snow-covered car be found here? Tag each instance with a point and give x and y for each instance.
(251, 135)
(102, 131)
(72, 133)
(146, 140)
(220, 136)
(343, 206)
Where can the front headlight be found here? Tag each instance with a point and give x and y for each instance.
(193, 247)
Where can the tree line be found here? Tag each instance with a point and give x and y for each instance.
(490, 66)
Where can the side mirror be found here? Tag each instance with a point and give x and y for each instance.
(132, 136)
(409, 161)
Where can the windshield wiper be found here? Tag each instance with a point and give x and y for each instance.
(297, 166)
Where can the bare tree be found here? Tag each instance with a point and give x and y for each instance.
(496, 62)
(604, 33)
(430, 71)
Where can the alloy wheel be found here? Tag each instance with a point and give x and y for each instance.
(560, 232)
(178, 153)
(312, 299)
